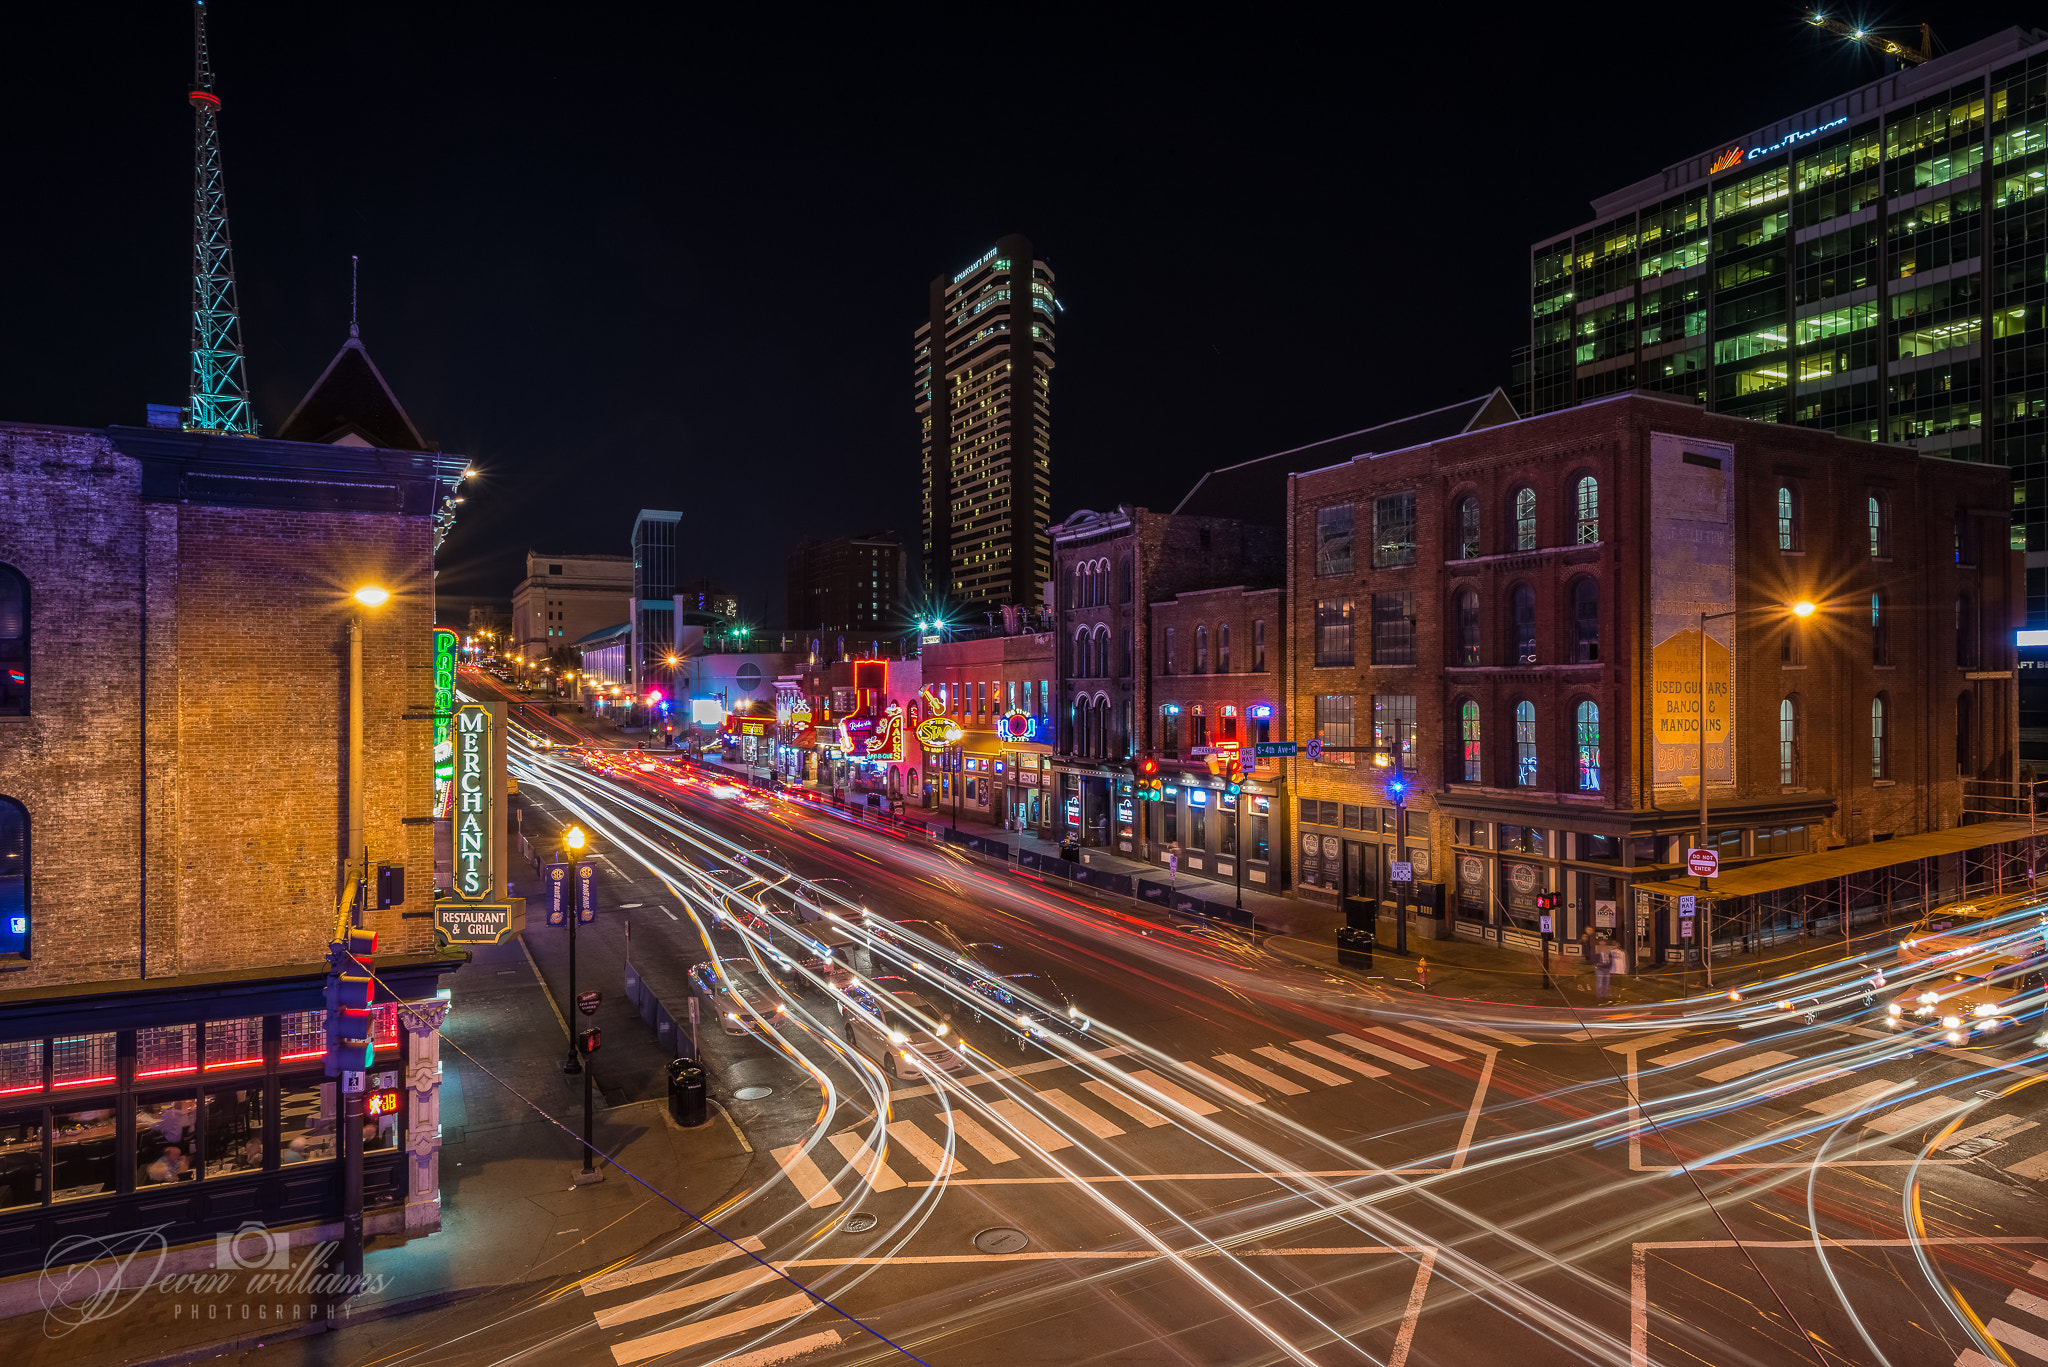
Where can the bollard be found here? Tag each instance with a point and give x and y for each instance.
(686, 1100)
(1422, 973)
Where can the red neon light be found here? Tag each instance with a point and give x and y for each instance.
(211, 99)
(241, 1062)
(310, 1053)
(32, 1087)
(86, 1081)
(167, 1072)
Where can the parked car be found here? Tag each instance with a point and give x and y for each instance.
(889, 1021)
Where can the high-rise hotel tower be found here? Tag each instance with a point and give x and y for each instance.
(982, 404)
(1876, 265)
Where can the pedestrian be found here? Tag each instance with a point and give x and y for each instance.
(1589, 944)
(1603, 969)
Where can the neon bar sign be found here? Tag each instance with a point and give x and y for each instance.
(476, 837)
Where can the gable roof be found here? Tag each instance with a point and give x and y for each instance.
(1256, 491)
(351, 405)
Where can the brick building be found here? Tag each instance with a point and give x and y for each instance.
(999, 690)
(563, 599)
(1515, 613)
(1108, 570)
(171, 761)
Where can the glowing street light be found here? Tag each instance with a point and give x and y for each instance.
(575, 838)
(371, 596)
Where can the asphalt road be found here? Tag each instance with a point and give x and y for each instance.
(1246, 1161)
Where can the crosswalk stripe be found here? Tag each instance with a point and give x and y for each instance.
(2039, 1271)
(1264, 1076)
(1417, 1045)
(2033, 1169)
(2014, 1336)
(667, 1267)
(1797, 1083)
(1174, 1092)
(803, 1173)
(696, 1293)
(703, 1331)
(1307, 1070)
(2029, 1302)
(1095, 1124)
(1388, 1055)
(2000, 1128)
(1919, 1113)
(1854, 1098)
(1706, 1050)
(1229, 1089)
(914, 1142)
(1505, 1038)
(1030, 1126)
(1728, 1072)
(1341, 1059)
(1443, 1033)
(783, 1352)
(1581, 1036)
(970, 1132)
(865, 1162)
(1970, 1357)
(1636, 1046)
(1129, 1105)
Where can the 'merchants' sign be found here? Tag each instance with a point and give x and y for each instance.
(476, 836)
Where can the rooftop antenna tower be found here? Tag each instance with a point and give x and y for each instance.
(220, 394)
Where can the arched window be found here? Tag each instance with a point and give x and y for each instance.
(13, 879)
(1468, 527)
(1586, 621)
(1468, 628)
(1123, 571)
(1468, 739)
(1588, 719)
(1223, 649)
(1201, 650)
(1587, 497)
(1523, 622)
(1081, 655)
(1880, 737)
(1102, 651)
(1525, 519)
(1879, 530)
(1525, 744)
(1880, 647)
(1788, 741)
(1966, 632)
(1788, 520)
(1076, 596)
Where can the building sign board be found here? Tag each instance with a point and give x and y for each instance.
(473, 923)
(476, 817)
(1692, 572)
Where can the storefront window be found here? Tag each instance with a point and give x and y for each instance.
(21, 1067)
(1523, 839)
(21, 1159)
(235, 1043)
(1169, 811)
(166, 1051)
(84, 1060)
(82, 1153)
(234, 1131)
(166, 1140)
(305, 1131)
(1198, 828)
(1259, 848)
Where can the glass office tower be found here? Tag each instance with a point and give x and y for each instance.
(1876, 265)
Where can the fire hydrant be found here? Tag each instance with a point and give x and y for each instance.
(1422, 973)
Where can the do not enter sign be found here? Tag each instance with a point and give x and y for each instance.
(1703, 863)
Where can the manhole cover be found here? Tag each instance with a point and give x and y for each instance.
(754, 1093)
(857, 1224)
(1002, 1239)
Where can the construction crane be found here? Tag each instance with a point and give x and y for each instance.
(1873, 39)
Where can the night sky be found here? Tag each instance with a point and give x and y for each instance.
(656, 259)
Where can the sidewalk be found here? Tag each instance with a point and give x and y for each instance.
(511, 1218)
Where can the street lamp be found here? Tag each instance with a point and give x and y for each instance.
(351, 1119)
(572, 844)
(1801, 609)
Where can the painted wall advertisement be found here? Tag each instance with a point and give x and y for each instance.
(1692, 571)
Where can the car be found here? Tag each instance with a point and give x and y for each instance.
(1964, 928)
(889, 1021)
(1991, 1002)
(914, 944)
(746, 999)
(1029, 1002)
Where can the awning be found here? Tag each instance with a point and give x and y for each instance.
(1776, 874)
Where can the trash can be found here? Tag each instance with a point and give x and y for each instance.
(1354, 947)
(686, 1103)
(1070, 850)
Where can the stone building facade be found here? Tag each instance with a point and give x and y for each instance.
(178, 756)
(1510, 619)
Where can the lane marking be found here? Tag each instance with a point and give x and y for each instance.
(1384, 1055)
(666, 912)
(1129, 1105)
(969, 1131)
(1174, 1092)
(915, 1143)
(1263, 1076)
(1711, 1047)
(1307, 1070)
(717, 1327)
(1796, 1084)
(631, 906)
(1970, 1357)
(803, 1174)
(1342, 1060)
(1728, 1072)
(2003, 1128)
(1101, 1255)
(1407, 1042)
(1231, 1090)
(1399, 1357)
(696, 1293)
(1095, 1124)
(663, 1267)
(1030, 1126)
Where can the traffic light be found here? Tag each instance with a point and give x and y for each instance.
(1148, 766)
(589, 1041)
(350, 992)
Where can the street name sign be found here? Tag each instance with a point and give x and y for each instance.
(1404, 871)
(1275, 749)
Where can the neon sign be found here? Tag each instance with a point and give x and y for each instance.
(1735, 156)
(936, 733)
(1017, 724)
(887, 741)
(446, 644)
(476, 832)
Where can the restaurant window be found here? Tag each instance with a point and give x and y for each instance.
(1587, 496)
(14, 659)
(1333, 631)
(1393, 628)
(1393, 729)
(305, 1131)
(1333, 539)
(166, 1051)
(21, 1158)
(1588, 726)
(1393, 531)
(1468, 527)
(166, 1139)
(1525, 519)
(1523, 839)
(82, 1060)
(1259, 849)
(21, 1067)
(1468, 628)
(1333, 724)
(303, 1035)
(1469, 740)
(82, 1147)
(1525, 744)
(234, 1043)
(1169, 731)
(1198, 826)
(234, 1131)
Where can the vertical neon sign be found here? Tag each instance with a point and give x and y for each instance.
(476, 838)
(446, 643)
